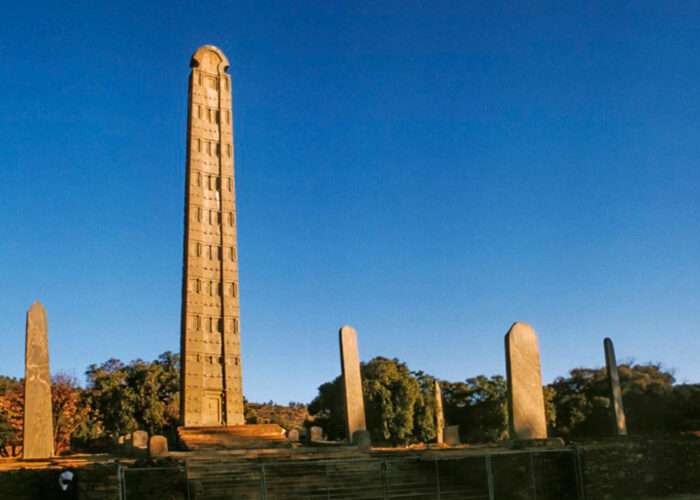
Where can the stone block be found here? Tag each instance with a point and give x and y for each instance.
(526, 416)
(293, 435)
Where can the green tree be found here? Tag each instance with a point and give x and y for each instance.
(328, 410)
(582, 401)
(479, 406)
(397, 404)
(140, 395)
(391, 392)
(424, 429)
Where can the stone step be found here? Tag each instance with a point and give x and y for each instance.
(232, 437)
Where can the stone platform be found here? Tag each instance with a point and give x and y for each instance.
(232, 437)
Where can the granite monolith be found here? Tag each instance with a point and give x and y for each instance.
(439, 415)
(526, 416)
(352, 383)
(615, 390)
(211, 391)
(38, 418)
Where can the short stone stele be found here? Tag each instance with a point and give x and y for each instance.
(293, 435)
(452, 435)
(615, 391)
(352, 382)
(525, 396)
(315, 433)
(38, 419)
(139, 440)
(157, 446)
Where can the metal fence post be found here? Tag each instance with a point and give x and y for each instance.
(489, 477)
(580, 481)
(263, 483)
(437, 478)
(120, 489)
(187, 481)
(385, 479)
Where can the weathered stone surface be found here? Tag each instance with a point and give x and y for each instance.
(293, 435)
(352, 382)
(38, 419)
(615, 390)
(525, 396)
(315, 433)
(139, 440)
(439, 415)
(157, 446)
(452, 435)
(212, 392)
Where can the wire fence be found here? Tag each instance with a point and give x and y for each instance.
(527, 475)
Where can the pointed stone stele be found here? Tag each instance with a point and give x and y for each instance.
(38, 418)
(526, 416)
(614, 387)
(352, 383)
(439, 415)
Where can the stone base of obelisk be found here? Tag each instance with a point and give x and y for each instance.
(232, 437)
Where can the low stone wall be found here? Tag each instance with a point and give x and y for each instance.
(614, 469)
(95, 482)
(629, 468)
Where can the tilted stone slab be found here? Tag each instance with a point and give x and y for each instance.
(615, 389)
(526, 417)
(352, 382)
(38, 419)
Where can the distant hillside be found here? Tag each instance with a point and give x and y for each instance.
(289, 417)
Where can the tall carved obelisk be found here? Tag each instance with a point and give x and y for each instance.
(211, 392)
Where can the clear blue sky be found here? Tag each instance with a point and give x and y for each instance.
(428, 172)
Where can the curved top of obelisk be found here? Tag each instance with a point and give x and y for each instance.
(210, 57)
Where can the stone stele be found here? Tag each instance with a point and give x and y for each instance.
(211, 386)
(615, 390)
(157, 446)
(452, 435)
(352, 382)
(439, 415)
(525, 396)
(139, 440)
(38, 419)
(315, 433)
